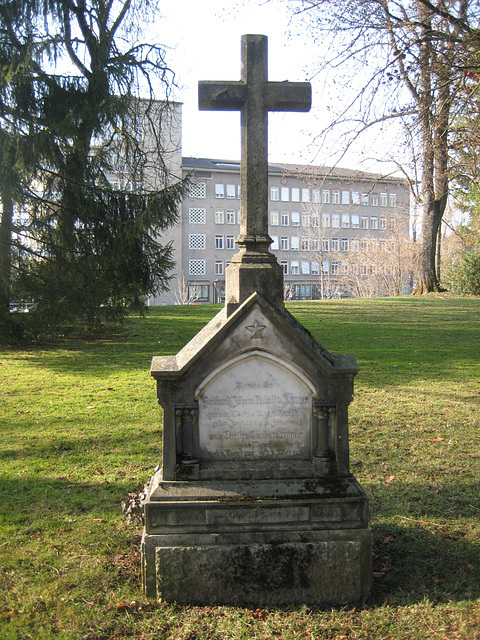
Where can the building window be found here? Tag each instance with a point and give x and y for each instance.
(294, 268)
(335, 197)
(325, 267)
(284, 194)
(230, 217)
(198, 190)
(239, 189)
(305, 267)
(295, 194)
(383, 224)
(326, 220)
(374, 199)
(197, 216)
(305, 220)
(315, 268)
(219, 191)
(198, 292)
(345, 244)
(326, 196)
(316, 196)
(345, 197)
(383, 199)
(345, 221)
(219, 216)
(305, 244)
(391, 223)
(335, 267)
(196, 267)
(365, 199)
(305, 195)
(218, 242)
(364, 222)
(284, 265)
(315, 220)
(353, 245)
(285, 219)
(344, 268)
(274, 245)
(230, 242)
(295, 219)
(274, 194)
(355, 197)
(218, 268)
(326, 245)
(284, 244)
(315, 244)
(373, 222)
(364, 245)
(392, 200)
(335, 244)
(355, 222)
(231, 191)
(335, 220)
(196, 241)
(274, 218)
(295, 243)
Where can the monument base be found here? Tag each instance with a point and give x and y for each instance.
(257, 543)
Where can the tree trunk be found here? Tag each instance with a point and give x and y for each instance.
(426, 271)
(5, 253)
(439, 253)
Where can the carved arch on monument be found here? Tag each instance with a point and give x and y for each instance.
(255, 405)
(257, 353)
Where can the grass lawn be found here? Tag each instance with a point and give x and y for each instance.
(80, 428)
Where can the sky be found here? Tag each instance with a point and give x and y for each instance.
(203, 39)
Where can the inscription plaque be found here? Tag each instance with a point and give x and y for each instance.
(255, 406)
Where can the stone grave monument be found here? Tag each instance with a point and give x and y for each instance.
(255, 503)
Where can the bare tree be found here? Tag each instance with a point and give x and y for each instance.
(410, 62)
(183, 293)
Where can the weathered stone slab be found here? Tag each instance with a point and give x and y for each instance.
(289, 573)
(255, 406)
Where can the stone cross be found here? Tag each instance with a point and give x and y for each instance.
(254, 96)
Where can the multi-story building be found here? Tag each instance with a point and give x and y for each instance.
(328, 228)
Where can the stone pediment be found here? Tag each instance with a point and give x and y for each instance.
(255, 325)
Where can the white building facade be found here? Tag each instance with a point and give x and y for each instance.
(324, 224)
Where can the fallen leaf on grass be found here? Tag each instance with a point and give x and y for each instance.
(260, 614)
(92, 406)
(440, 439)
(390, 479)
(99, 520)
(100, 471)
(465, 564)
(438, 581)
(388, 538)
(137, 605)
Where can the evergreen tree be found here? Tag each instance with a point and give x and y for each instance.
(86, 251)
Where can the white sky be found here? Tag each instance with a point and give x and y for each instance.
(204, 40)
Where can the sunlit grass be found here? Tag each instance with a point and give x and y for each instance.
(81, 427)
